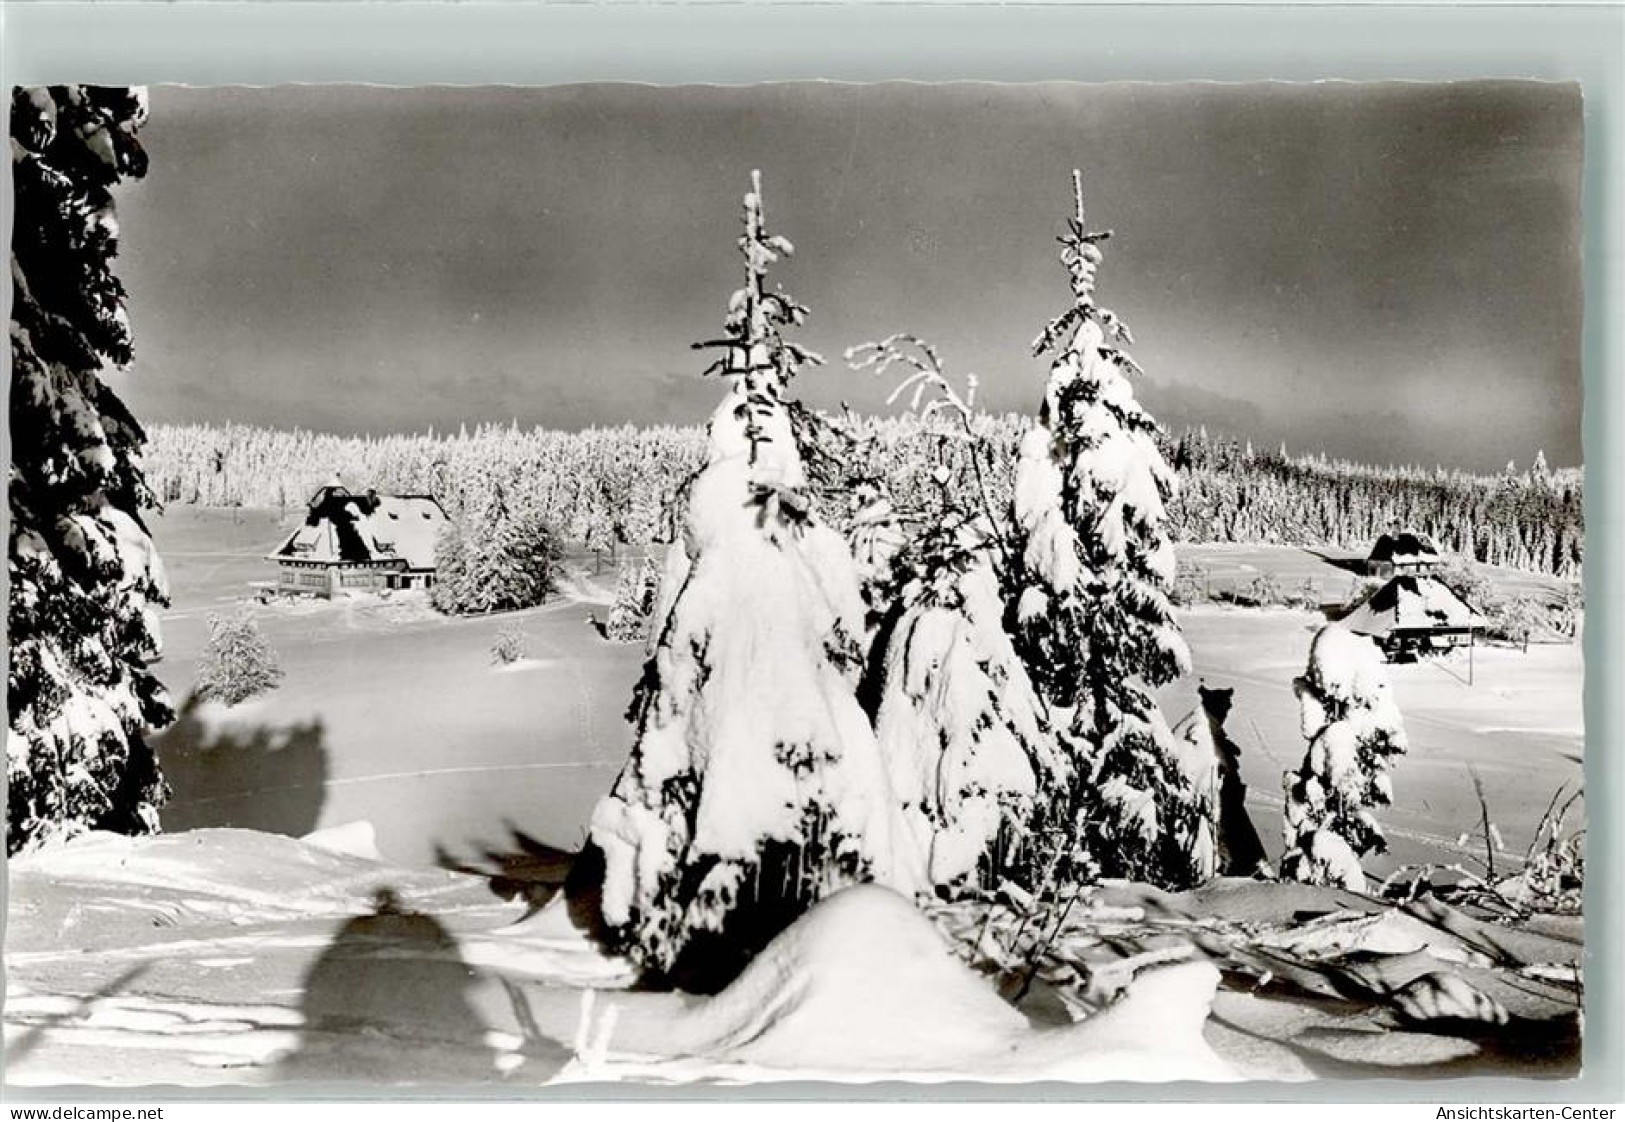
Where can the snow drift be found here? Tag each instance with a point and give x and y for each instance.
(864, 987)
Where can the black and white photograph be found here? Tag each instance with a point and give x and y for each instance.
(730, 585)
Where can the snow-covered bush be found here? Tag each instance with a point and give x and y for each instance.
(1264, 591)
(509, 646)
(1192, 584)
(1306, 595)
(86, 582)
(1517, 620)
(1091, 607)
(497, 556)
(755, 786)
(636, 594)
(1354, 731)
(237, 662)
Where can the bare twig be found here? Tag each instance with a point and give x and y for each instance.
(1484, 822)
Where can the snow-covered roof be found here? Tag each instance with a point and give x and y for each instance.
(1403, 548)
(345, 528)
(1411, 603)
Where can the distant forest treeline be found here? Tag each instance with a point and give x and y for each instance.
(607, 486)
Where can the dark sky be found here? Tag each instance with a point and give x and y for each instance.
(1388, 272)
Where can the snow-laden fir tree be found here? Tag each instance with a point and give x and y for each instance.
(85, 580)
(502, 555)
(755, 785)
(963, 731)
(237, 662)
(450, 567)
(1354, 731)
(1092, 612)
(636, 593)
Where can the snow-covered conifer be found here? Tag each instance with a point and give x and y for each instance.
(1091, 609)
(451, 567)
(503, 556)
(1354, 731)
(1540, 472)
(755, 785)
(962, 729)
(636, 593)
(85, 579)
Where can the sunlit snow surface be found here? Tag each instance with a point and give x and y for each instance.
(227, 956)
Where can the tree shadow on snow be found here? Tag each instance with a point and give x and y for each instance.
(265, 778)
(1522, 1048)
(523, 868)
(391, 1000)
(36, 1034)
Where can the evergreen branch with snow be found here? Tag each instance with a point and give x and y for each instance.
(927, 376)
(85, 580)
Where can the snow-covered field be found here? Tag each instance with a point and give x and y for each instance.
(392, 714)
(236, 955)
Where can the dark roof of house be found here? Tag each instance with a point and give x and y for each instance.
(1404, 546)
(341, 527)
(1412, 603)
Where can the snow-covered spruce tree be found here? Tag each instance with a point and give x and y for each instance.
(963, 731)
(236, 663)
(636, 593)
(755, 786)
(503, 556)
(1091, 609)
(451, 567)
(517, 559)
(85, 580)
(1354, 731)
